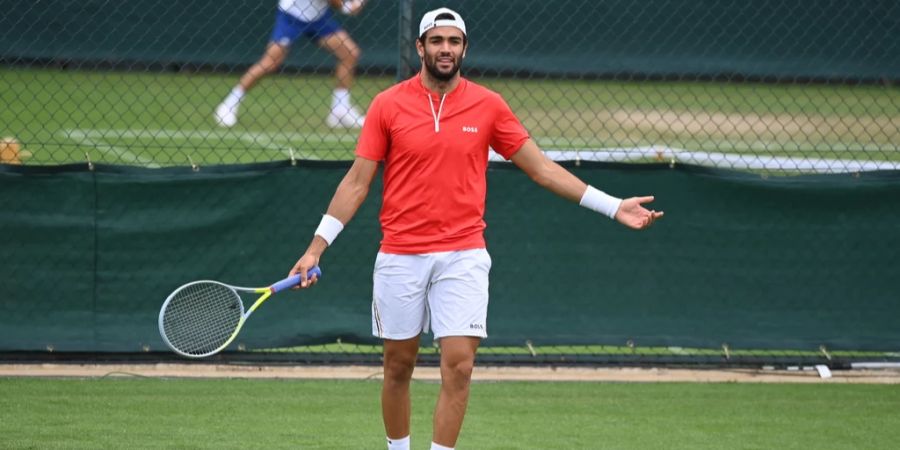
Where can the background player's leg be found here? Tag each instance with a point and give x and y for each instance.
(274, 56)
(342, 46)
(271, 60)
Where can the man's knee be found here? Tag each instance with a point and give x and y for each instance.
(349, 54)
(270, 64)
(354, 53)
(399, 364)
(458, 372)
(273, 58)
(458, 359)
(399, 369)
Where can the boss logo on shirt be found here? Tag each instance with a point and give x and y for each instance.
(470, 129)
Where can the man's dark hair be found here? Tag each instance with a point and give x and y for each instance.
(444, 16)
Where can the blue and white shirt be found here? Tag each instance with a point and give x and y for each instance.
(305, 10)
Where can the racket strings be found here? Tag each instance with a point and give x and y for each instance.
(201, 317)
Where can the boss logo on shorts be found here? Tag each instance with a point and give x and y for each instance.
(470, 129)
(476, 326)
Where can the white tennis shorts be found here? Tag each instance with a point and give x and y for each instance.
(446, 290)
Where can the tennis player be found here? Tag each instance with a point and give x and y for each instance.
(313, 19)
(432, 133)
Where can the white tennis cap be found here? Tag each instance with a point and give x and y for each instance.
(429, 21)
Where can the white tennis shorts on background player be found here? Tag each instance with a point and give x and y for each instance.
(446, 290)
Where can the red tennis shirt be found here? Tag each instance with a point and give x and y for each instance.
(435, 153)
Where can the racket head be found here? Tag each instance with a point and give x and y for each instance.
(200, 318)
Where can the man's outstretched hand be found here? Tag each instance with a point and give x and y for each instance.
(632, 213)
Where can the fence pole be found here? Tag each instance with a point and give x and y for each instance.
(405, 37)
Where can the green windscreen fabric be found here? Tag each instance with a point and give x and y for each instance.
(769, 263)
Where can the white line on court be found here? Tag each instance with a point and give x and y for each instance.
(282, 142)
(278, 141)
(125, 155)
(716, 159)
(736, 145)
(146, 133)
(272, 145)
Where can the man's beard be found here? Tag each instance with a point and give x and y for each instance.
(437, 74)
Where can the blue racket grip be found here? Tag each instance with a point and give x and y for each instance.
(290, 282)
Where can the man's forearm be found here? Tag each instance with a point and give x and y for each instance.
(347, 200)
(563, 183)
(547, 173)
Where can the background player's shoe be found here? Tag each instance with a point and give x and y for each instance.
(226, 115)
(345, 118)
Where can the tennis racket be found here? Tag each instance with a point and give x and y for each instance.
(201, 318)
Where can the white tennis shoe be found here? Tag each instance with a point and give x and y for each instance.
(345, 118)
(226, 115)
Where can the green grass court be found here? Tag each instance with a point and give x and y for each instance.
(162, 119)
(138, 413)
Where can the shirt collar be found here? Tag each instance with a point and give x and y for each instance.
(421, 86)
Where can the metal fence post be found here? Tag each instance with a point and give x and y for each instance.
(405, 38)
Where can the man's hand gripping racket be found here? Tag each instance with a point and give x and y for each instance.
(201, 318)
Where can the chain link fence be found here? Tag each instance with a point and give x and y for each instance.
(770, 85)
(773, 86)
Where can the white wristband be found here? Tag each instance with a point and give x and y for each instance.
(600, 201)
(329, 228)
(348, 6)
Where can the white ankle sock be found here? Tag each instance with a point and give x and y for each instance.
(340, 99)
(234, 97)
(398, 444)
(439, 447)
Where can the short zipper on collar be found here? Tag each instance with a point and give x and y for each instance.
(437, 117)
